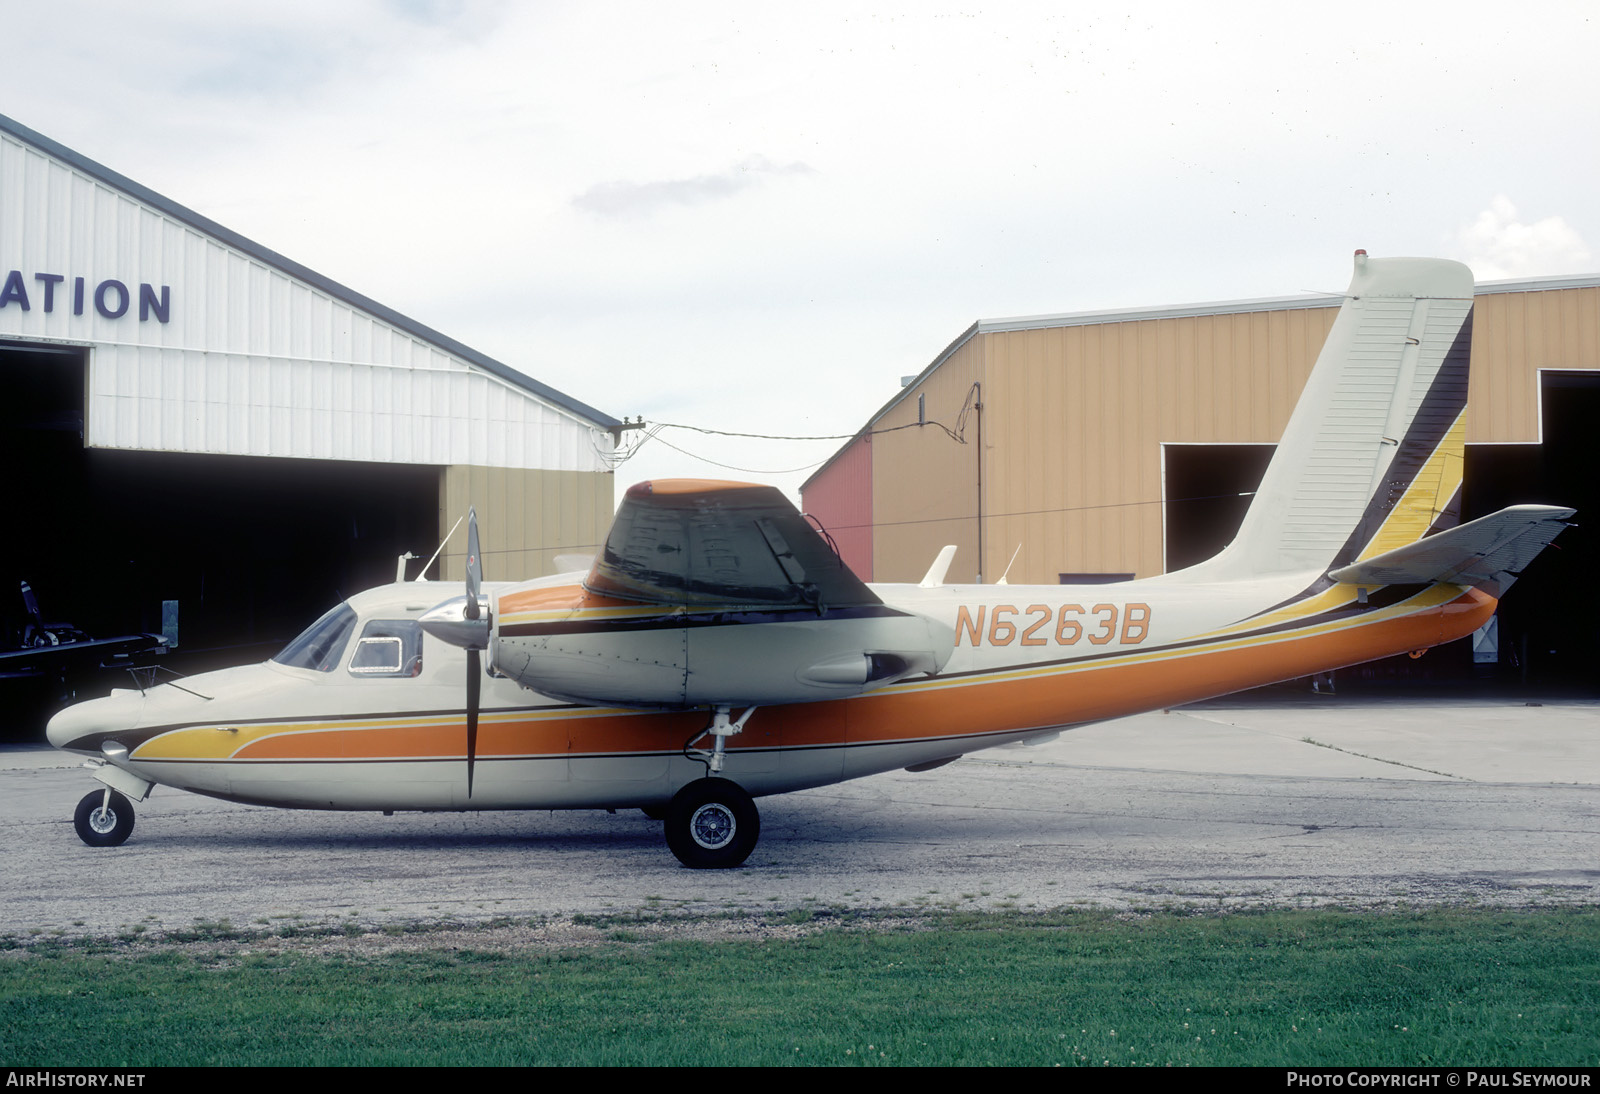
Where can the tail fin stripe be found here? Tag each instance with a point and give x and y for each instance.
(1429, 456)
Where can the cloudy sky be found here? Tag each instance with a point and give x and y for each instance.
(759, 217)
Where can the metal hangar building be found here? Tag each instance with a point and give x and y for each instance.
(189, 417)
(1109, 445)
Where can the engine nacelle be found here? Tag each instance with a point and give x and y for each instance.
(688, 659)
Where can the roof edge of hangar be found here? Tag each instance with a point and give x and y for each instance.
(294, 269)
(1072, 319)
(1128, 315)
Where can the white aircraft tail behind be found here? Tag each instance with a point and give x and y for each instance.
(1371, 459)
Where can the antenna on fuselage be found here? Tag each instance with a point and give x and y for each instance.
(1010, 564)
(422, 574)
(941, 566)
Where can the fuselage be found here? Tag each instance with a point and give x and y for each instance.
(378, 724)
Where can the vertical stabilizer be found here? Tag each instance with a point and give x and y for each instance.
(1372, 456)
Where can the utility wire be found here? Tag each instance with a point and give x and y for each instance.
(652, 432)
(1041, 512)
(617, 458)
(734, 467)
(953, 434)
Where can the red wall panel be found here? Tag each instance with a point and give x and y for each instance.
(839, 497)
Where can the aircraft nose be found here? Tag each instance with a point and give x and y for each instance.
(80, 727)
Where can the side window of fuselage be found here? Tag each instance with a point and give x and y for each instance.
(388, 647)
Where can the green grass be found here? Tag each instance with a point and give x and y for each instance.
(1305, 988)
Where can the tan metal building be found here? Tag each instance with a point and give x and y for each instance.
(1098, 446)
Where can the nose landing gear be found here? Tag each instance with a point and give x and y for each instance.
(104, 818)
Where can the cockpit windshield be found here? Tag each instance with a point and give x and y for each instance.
(321, 645)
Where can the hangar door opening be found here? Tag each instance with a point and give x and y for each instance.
(250, 549)
(1208, 489)
(1547, 636)
(41, 431)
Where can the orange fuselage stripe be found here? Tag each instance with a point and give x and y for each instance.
(1007, 701)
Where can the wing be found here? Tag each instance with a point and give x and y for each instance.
(75, 655)
(710, 594)
(1488, 553)
(701, 543)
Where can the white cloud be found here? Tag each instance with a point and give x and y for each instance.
(1497, 244)
(623, 199)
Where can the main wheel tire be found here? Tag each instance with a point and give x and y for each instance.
(102, 824)
(712, 824)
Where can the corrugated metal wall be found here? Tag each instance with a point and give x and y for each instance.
(1075, 414)
(525, 518)
(1514, 335)
(840, 498)
(925, 482)
(198, 347)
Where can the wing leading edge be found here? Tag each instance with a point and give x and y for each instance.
(702, 543)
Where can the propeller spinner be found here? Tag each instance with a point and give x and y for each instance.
(464, 621)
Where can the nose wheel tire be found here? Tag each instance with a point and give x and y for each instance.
(712, 824)
(103, 823)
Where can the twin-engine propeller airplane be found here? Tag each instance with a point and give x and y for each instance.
(718, 650)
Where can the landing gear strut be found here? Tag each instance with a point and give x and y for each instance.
(721, 728)
(712, 824)
(104, 818)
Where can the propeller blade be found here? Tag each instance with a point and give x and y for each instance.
(474, 682)
(474, 565)
(474, 669)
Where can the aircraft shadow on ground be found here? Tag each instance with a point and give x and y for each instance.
(797, 824)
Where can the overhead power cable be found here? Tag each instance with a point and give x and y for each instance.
(1042, 512)
(652, 432)
(734, 467)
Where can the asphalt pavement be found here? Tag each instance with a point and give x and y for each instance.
(1285, 801)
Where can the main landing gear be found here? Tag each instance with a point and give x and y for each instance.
(104, 818)
(712, 824)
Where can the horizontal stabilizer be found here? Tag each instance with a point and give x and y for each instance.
(1488, 553)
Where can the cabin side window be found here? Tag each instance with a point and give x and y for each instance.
(388, 647)
(320, 645)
